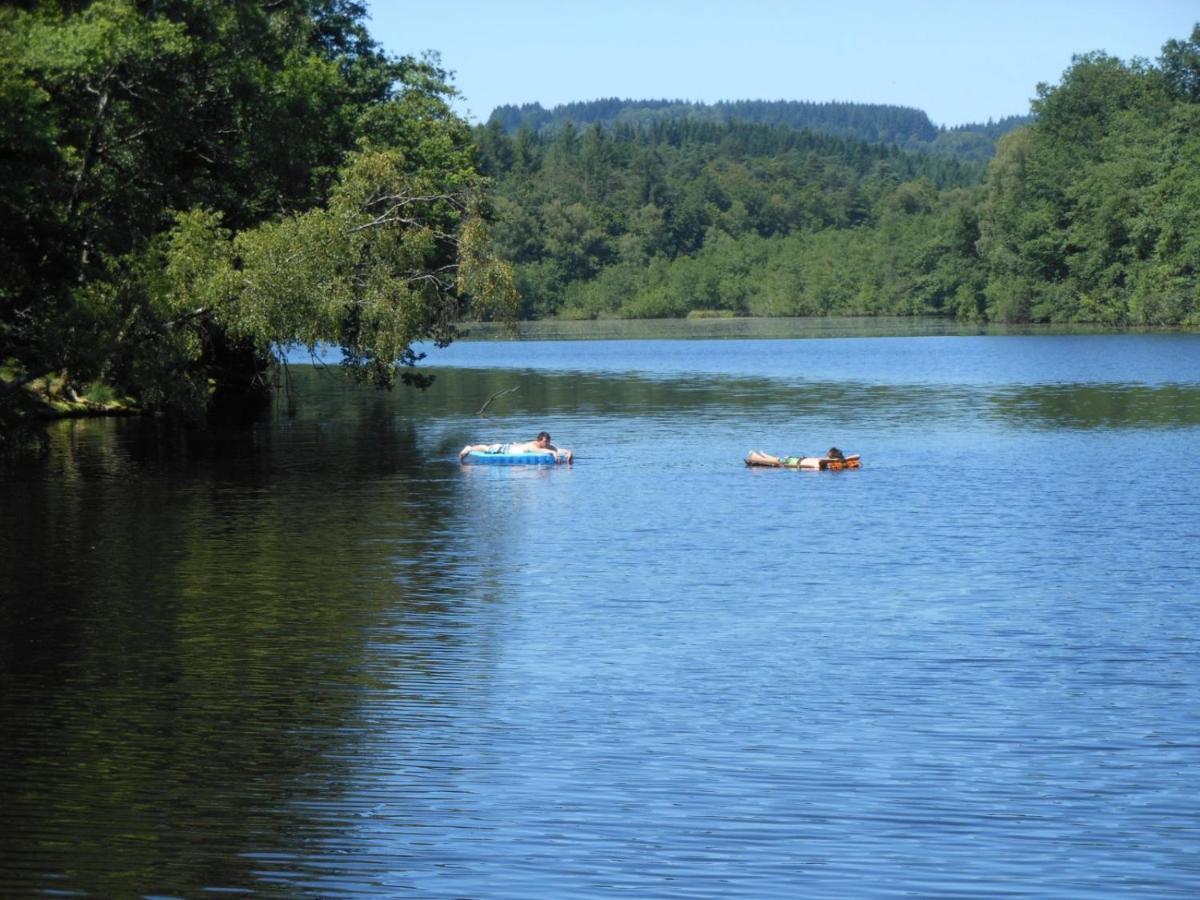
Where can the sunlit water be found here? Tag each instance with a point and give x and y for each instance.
(320, 658)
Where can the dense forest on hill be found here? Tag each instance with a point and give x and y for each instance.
(1088, 213)
(623, 221)
(907, 128)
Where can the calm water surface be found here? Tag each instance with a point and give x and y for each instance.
(320, 658)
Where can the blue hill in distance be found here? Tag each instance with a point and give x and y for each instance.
(908, 128)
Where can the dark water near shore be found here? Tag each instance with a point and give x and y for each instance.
(320, 658)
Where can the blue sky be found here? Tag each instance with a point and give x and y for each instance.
(960, 62)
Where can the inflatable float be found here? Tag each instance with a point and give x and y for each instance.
(505, 458)
(814, 463)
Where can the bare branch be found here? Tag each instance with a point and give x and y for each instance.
(494, 396)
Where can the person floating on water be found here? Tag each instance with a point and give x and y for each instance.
(540, 444)
(833, 459)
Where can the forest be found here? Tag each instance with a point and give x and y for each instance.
(190, 186)
(1086, 212)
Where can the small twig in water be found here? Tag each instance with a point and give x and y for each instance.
(494, 396)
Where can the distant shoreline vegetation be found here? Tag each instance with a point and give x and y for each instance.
(1086, 211)
(785, 328)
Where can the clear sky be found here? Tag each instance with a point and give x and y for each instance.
(958, 60)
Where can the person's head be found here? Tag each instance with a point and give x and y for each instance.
(543, 437)
(835, 453)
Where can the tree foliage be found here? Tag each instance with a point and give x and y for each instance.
(387, 261)
(193, 182)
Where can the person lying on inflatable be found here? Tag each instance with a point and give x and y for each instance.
(833, 459)
(540, 444)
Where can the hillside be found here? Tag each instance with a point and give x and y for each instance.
(643, 220)
(908, 128)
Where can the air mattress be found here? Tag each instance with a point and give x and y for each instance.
(479, 457)
(811, 463)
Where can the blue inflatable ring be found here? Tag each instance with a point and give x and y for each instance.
(509, 459)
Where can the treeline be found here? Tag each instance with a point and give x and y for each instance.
(1089, 213)
(187, 186)
(907, 128)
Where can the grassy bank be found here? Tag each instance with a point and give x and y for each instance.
(52, 397)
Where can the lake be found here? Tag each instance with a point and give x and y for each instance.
(318, 657)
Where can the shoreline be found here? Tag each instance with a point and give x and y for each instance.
(42, 399)
(784, 328)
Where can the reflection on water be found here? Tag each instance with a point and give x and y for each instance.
(1100, 406)
(1071, 406)
(320, 658)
